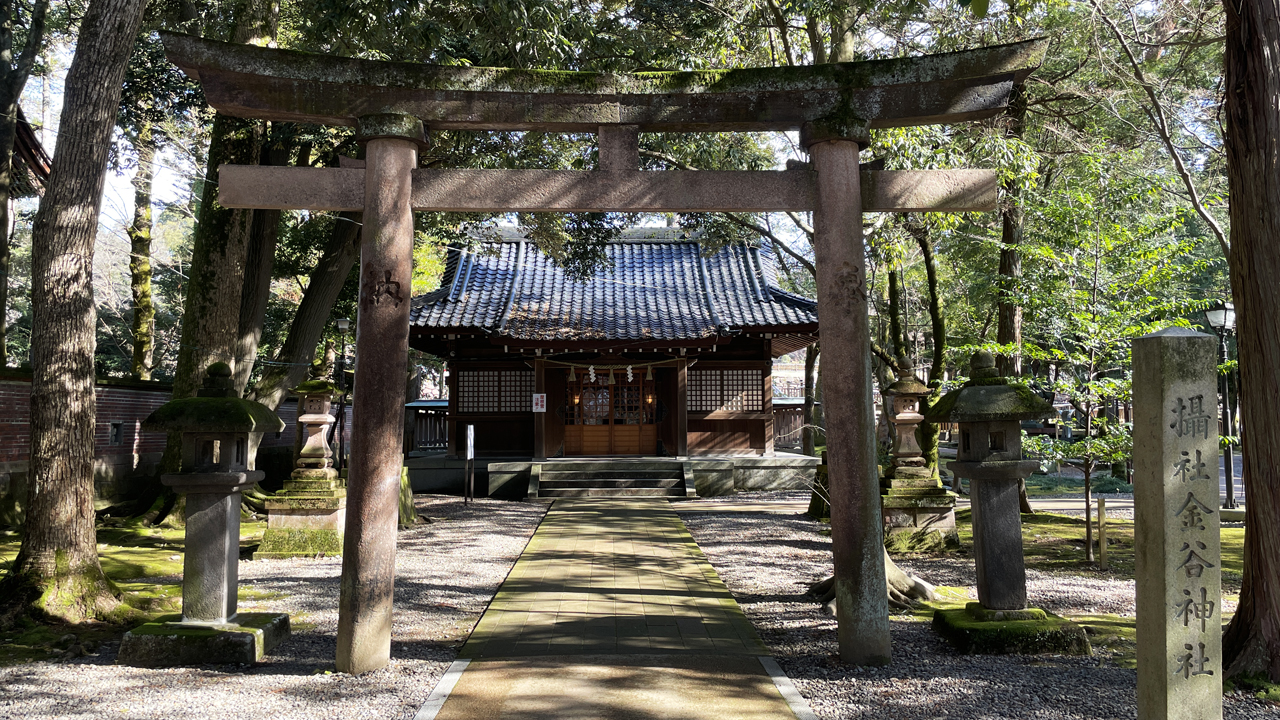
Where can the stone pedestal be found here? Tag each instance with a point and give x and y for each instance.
(210, 564)
(172, 642)
(307, 519)
(1176, 526)
(919, 514)
(981, 631)
(997, 543)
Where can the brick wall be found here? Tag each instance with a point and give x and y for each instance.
(118, 435)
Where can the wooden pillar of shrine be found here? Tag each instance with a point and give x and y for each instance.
(767, 405)
(451, 423)
(862, 608)
(682, 408)
(540, 418)
(382, 352)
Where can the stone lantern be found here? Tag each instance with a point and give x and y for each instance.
(990, 410)
(919, 514)
(219, 432)
(308, 518)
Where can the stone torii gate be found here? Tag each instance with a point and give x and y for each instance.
(390, 105)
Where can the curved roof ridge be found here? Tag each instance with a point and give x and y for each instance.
(659, 291)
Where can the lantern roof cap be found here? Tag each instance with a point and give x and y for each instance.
(316, 387)
(216, 409)
(907, 382)
(989, 398)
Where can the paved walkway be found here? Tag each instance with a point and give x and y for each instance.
(613, 612)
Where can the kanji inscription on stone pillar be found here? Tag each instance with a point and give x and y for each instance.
(1179, 561)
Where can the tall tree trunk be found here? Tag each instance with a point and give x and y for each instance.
(5, 268)
(327, 279)
(1252, 122)
(218, 257)
(13, 79)
(896, 339)
(930, 431)
(844, 45)
(1008, 309)
(809, 434)
(144, 311)
(220, 244)
(257, 279)
(57, 573)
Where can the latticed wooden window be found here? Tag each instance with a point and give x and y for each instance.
(726, 390)
(491, 391)
(517, 391)
(628, 405)
(743, 391)
(704, 390)
(478, 391)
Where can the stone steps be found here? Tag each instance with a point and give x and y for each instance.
(567, 483)
(621, 465)
(609, 478)
(612, 492)
(550, 475)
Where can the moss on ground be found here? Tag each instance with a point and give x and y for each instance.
(1257, 685)
(144, 562)
(1115, 635)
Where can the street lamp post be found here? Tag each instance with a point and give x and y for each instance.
(1223, 321)
(344, 328)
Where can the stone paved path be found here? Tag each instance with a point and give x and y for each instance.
(613, 612)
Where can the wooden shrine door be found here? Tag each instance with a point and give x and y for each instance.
(610, 419)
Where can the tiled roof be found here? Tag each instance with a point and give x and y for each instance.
(655, 291)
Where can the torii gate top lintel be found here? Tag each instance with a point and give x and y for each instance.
(273, 84)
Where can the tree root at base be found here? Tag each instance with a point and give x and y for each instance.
(64, 597)
(904, 590)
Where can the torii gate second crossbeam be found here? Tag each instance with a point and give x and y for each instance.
(833, 106)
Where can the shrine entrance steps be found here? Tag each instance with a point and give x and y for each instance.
(612, 611)
(609, 478)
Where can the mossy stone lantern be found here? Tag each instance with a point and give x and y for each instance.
(990, 410)
(919, 514)
(308, 518)
(219, 432)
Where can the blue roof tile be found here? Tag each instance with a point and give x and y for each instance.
(653, 292)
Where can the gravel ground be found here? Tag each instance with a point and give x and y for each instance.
(768, 560)
(446, 573)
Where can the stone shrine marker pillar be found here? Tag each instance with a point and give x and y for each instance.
(1176, 526)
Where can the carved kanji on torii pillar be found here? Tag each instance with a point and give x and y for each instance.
(833, 106)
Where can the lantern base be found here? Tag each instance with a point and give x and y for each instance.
(976, 630)
(169, 642)
(919, 515)
(307, 519)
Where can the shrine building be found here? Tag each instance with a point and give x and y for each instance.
(663, 355)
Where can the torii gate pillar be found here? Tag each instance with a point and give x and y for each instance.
(382, 351)
(862, 608)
